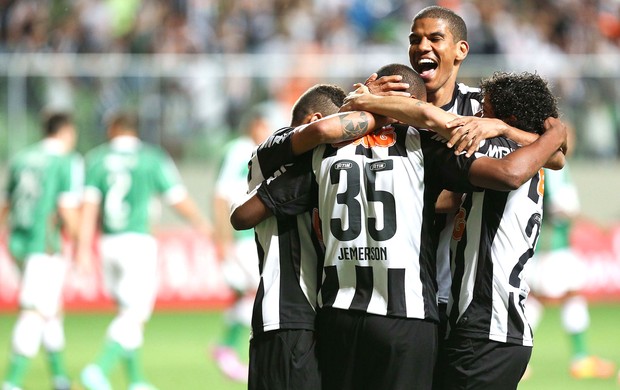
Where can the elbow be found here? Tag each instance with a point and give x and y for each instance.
(515, 179)
(238, 222)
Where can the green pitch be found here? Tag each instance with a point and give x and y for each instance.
(176, 352)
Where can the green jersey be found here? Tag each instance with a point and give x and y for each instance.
(561, 203)
(232, 181)
(41, 178)
(125, 175)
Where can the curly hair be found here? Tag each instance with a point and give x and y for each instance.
(522, 100)
(323, 98)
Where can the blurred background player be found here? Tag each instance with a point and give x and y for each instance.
(42, 202)
(557, 273)
(237, 249)
(122, 178)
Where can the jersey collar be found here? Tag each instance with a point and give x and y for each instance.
(125, 142)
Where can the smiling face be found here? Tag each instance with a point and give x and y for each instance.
(436, 56)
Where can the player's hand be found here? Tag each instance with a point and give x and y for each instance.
(469, 131)
(387, 85)
(355, 100)
(556, 128)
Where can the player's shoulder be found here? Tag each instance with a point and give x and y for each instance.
(466, 90)
(497, 147)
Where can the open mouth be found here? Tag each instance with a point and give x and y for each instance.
(426, 67)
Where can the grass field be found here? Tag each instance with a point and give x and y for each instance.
(176, 354)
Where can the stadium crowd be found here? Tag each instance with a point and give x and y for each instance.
(550, 28)
(210, 26)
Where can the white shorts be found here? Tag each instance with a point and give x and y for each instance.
(42, 283)
(556, 273)
(130, 271)
(241, 269)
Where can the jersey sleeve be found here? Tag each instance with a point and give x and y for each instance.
(293, 192)
(271, 156)
(450, 170)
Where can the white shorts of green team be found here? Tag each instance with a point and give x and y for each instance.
(130, 271)
(42, 283)
(241, 269)
(556, 273)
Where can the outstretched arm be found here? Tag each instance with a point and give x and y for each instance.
(510, 172)
(340, 127)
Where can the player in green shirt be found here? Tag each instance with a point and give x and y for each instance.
(123, 176)
(42, 200)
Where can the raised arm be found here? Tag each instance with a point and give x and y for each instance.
(510, 172)
(411, 111)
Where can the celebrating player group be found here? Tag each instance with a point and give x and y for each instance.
(393, 226)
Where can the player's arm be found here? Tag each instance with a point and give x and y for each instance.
(411, 111)
(448, 202)
(510, 172)
(332, 129)
(87, 228)
(291, 193)
(187, 209)
(471, 129)
(249, 212)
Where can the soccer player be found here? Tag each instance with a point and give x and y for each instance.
(282, 346)
(122, 178)
(237, 249)
(437, 48)
(379, 263)
(495, 234)
(42, 200)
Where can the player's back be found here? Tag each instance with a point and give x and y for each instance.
(372, 194)
(128, 174)
(39, 176)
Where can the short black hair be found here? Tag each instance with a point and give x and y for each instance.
(128, 120)
(456, 24)
(323, 98)
(524, 96)
(410, 76)
(54, 121)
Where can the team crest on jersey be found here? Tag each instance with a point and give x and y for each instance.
(384, 137)
(459, 225)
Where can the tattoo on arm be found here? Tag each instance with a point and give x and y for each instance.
(354, 125)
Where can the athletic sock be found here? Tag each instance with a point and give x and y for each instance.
(18, 365)
(110, 355)
(133, 366)
(578, 345)
(233, 338)
(57, 364)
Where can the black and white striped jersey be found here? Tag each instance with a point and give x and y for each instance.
(377, 205)
(494, 235)
(466, 101)
(289, 252)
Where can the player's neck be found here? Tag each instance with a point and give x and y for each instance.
(442, 96)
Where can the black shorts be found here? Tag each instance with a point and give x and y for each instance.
(482, 364)
(443, 326)
(360, 351)
(284, 359)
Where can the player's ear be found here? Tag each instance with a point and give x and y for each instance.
(315, 117)
(462, 48)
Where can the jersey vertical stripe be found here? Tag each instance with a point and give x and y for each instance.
(289, 254)
(501, 230)
(377, 209)
(466, 101)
